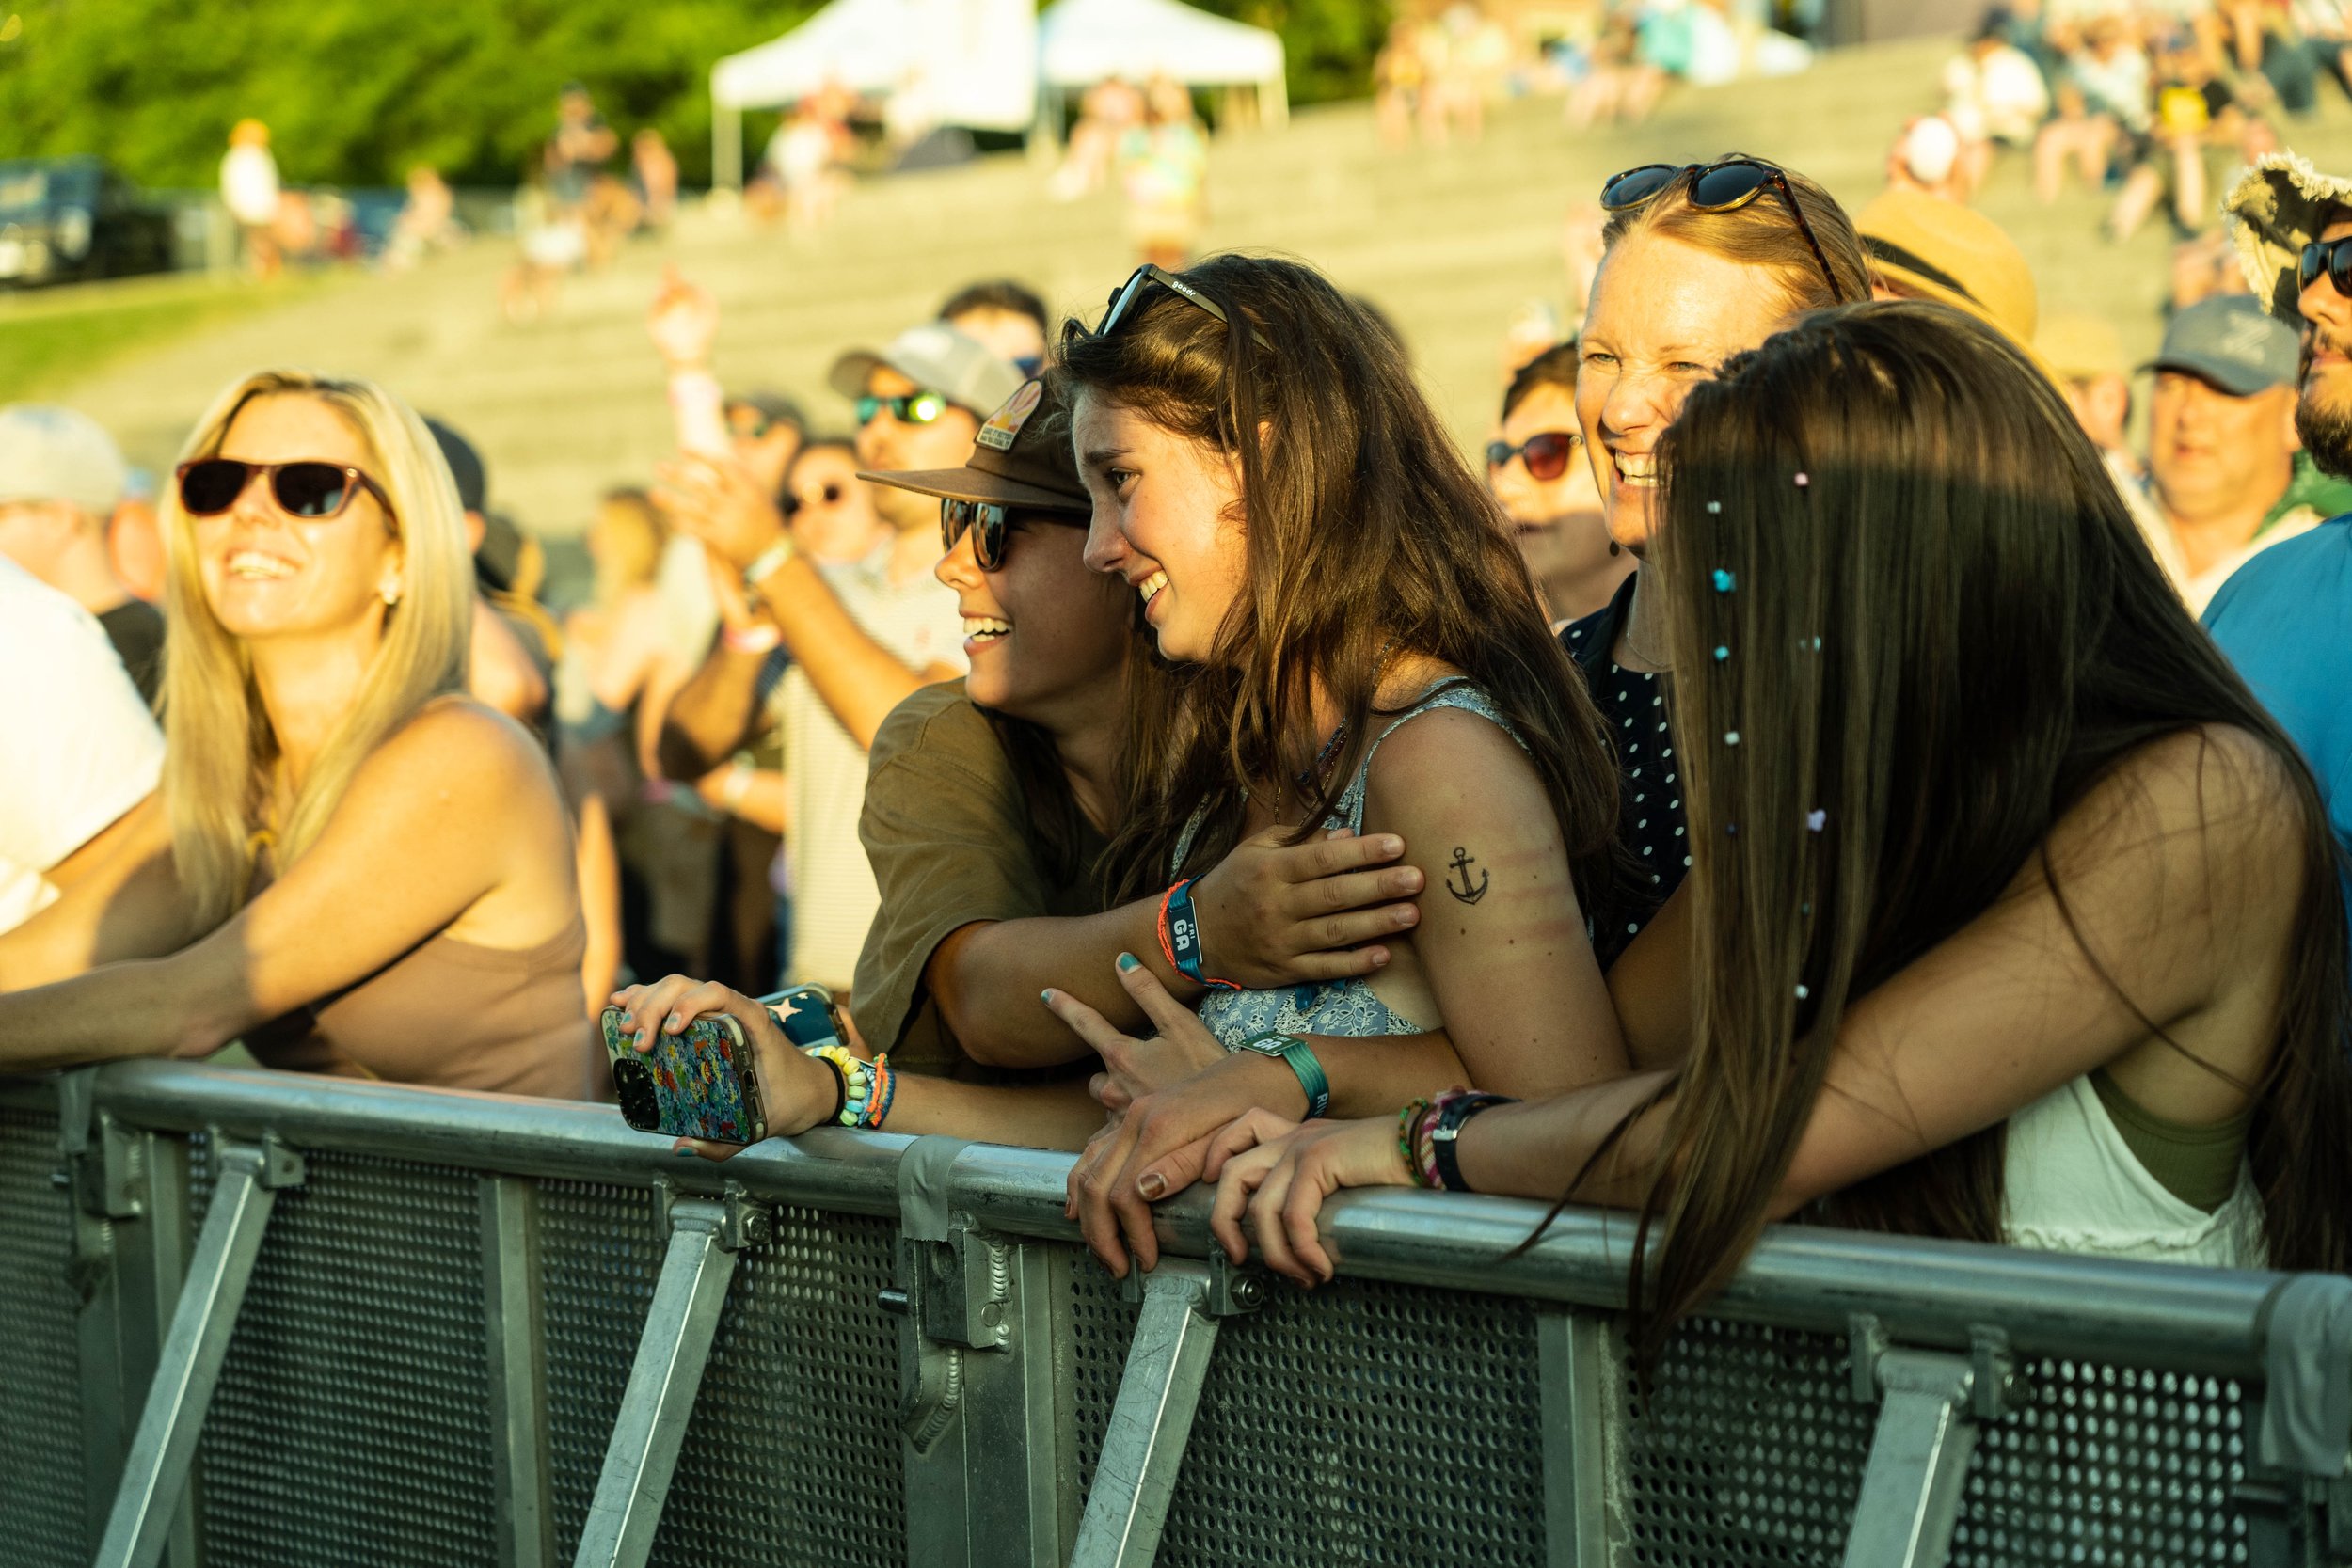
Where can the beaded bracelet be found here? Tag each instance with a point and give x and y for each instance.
(1424, 1157)
(1180, 937)
(1407, 1120)
(867, 1088)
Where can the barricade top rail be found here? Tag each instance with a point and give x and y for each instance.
(2210, 1321)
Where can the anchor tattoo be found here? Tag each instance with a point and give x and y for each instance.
(1466, 894)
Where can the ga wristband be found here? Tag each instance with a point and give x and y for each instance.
(1180, 937)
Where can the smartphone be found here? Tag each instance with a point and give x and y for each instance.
(700, 1083)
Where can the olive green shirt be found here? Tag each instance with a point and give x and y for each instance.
(947, 833)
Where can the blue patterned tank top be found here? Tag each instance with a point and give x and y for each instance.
(1342, 1008)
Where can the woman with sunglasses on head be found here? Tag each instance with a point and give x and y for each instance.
(987, 812)
(1700, 263)
(1357, 646)
(2012, 916)
(350, 863)
(1537, 471)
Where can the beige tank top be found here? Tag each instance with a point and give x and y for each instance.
(452, 1015)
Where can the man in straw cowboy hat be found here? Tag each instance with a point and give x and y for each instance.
(2285, 619)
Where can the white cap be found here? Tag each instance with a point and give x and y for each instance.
(48, 453)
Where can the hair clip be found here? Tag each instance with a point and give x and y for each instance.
(1816, 821)
(1715, 508)
(1722, 654)
(1802, 481)
(1724, 581)
(1731, 737)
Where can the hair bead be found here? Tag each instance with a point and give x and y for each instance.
(1722, 654)
(1724, 581)
(1816, 820)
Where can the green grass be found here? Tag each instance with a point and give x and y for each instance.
(52, 338)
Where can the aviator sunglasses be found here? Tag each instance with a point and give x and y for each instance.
(1724, 186)
(916, 408)
(990, 524)
(2333, 257)
(1546, 452)
(305, 488)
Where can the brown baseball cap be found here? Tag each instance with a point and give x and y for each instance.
(1929, 247)
(1022, 457)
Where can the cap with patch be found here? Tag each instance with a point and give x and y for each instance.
(2231, 343)
(1022, 457)
(938, 358)
(2276, 209)
(48, 453)
(1931, 249)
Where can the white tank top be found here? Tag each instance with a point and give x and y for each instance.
(2072, 1185)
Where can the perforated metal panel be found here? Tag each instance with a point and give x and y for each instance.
(1369, 1423)
(793, 1457)
(2105, 1464)
(1750, 1454)
(41, 1498)
(351, 1424)
(1101, 1327)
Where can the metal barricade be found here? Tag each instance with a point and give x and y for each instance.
(268, 1318)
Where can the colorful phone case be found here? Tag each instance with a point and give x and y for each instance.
(700, 1083)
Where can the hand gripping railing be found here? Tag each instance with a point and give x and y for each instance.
(1942, 1339)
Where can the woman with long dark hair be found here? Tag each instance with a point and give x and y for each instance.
(1355, 645)
(2011, 916)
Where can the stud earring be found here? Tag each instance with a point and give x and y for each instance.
(391, 594)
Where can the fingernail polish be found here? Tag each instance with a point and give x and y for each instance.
(1150, 1184)
(1046, 996)
(1128, 961)
(683, 1154)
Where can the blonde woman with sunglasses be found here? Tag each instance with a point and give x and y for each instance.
(350, 863)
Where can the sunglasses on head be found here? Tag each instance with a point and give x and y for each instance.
(1723, 187)
(305, 488)
(2332, 257)
(1546, 452)
(1128, 296)
(914, 408)
(990, 524)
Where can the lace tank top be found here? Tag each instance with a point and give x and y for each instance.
(1342, 1008)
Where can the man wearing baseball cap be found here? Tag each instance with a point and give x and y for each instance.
(863, 637)
(60, 480)
(2221, 444)
(2285, 619)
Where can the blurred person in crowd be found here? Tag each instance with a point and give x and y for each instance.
(762, 429)
(1399, 77)
(134, 540)
(765, 430)
(2194, 108)
(2085, 361)
(61, 479)
(862, 636)
(1007, 317)
(1353, 639)
(1704, 262)
(1621, 84)
(1538, 474)
(2285, 619)
(87, 751)
(2103, 100)
(582, 144)
(653, 177)
(427, 220)
(515, 643)
(553, 241)
(2149, 920)
(1110, 109)
(349, 864)
(249, 188)
(1930, 157)
(2222, 445)
(801, 155)
(1164, 166)
(1994, 91)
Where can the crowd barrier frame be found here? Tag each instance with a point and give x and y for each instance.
(265, 1317)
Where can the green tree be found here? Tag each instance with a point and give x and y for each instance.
(1327, 45)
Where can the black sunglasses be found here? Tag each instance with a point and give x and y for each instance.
(1724, 186)
(2331, 257)
(1546, 452)
(1144, 278)
(305, 488)
(990, 524)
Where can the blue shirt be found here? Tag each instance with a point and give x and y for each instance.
(2285, 620)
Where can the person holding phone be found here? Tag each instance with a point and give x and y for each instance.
(988, 808)
(350, 863)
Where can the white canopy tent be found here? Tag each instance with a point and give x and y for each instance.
(968, 62)
(1084, 41)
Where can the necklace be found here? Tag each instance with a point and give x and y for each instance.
(1632, 644)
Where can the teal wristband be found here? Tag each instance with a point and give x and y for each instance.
(1300, 1057)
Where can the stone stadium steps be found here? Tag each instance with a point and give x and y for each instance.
(1451, 243)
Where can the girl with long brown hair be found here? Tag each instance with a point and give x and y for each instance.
(2011, 915)
(1355, 645)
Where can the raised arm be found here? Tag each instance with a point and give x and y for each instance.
(431, 823)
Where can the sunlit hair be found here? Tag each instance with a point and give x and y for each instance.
(1366, 535)
(1760, 234)
(631, 533)
(218, 749)
(1903, 594)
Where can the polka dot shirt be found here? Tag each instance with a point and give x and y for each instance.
(1633, 703)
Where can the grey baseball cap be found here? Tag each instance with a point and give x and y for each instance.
(938, 358)
(48, 453)
(2232, 341)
